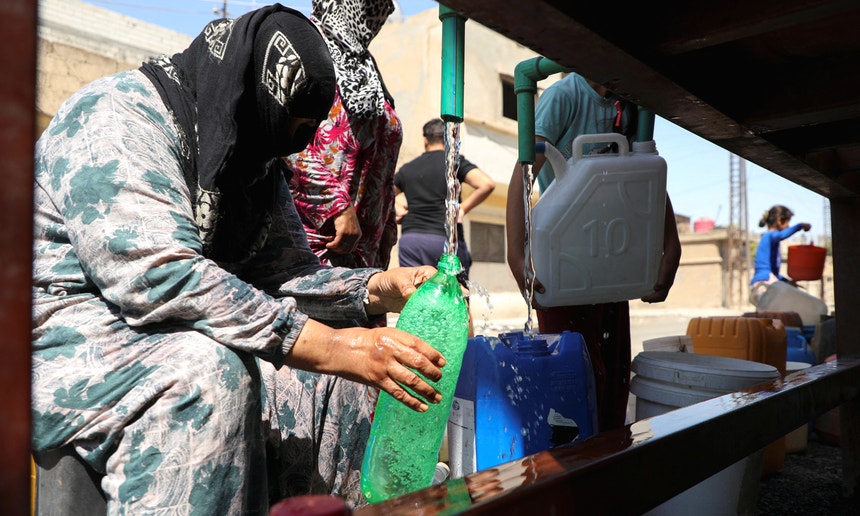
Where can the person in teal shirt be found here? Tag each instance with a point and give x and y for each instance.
(568, 108)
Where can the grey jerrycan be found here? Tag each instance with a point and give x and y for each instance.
(597, 230)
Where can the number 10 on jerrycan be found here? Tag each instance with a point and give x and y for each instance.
(403, 448)
(597, 230)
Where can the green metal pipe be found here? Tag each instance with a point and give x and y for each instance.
(526, 75)
(645, 130)
(453, 50)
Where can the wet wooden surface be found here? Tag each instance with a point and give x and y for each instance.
(631, 470)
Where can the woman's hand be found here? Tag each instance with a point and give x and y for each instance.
(390, 289)
(346, 229)
(379, 357)
(658, 295)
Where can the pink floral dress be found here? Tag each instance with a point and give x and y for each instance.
(349, 160)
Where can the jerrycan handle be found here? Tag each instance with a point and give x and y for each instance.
(585, 139)
(555, 157)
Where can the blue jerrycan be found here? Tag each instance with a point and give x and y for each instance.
(797, 347)
(518, 395)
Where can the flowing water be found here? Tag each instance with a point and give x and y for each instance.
(452, 208)
(452, 202)
(480, 292)
(529, 290)
(452, 214)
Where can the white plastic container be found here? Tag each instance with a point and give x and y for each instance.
(667, 380)
(682, 343)
(597, 230)
(782, 297)
(797, 440)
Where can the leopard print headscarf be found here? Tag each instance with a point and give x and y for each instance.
(349, 26)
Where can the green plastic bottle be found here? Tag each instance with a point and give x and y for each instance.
(403, 448)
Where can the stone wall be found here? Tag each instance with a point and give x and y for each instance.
(79, 42)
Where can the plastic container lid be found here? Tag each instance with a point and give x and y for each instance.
(669, 394)
(792, 367)
(682, 343)
(702, 371)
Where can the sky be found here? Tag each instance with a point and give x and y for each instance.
(698, 177)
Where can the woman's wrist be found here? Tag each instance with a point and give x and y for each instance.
(373, 302)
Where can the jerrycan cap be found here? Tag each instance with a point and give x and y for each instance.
(530, 345)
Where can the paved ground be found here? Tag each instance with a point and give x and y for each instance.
(810, 483)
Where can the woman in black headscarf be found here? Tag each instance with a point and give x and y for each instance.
(175, 295)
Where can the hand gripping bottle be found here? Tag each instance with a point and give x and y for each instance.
(403, 448)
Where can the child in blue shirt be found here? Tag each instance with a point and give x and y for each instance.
(767, 257)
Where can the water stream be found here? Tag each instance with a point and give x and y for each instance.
(528, 264)
(452, 211)
(452, 202)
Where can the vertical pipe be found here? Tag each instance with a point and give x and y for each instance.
(453, 50)
(526, 75)
(645, 130)
(844, 213)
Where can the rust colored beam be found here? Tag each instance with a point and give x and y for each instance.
(846, 253)
(17, 132)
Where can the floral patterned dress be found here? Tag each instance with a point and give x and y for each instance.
(351, 160)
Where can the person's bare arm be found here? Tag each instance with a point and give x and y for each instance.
(671, 258)
(401, 207)
(380, 357)
(483, 185)
(346, 231)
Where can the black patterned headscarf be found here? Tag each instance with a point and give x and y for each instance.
(349, 27)
(233, 93)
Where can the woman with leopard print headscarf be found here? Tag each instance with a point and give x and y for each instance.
(176, 347)
(342, 182)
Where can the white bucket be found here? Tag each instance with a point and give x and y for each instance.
(797, 440)
(667, 380)
(597, 230)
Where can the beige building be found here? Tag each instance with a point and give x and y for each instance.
(79, 42)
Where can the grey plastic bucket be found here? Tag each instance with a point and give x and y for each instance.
(667, 380)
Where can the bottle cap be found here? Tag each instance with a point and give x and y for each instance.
(449, 262)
